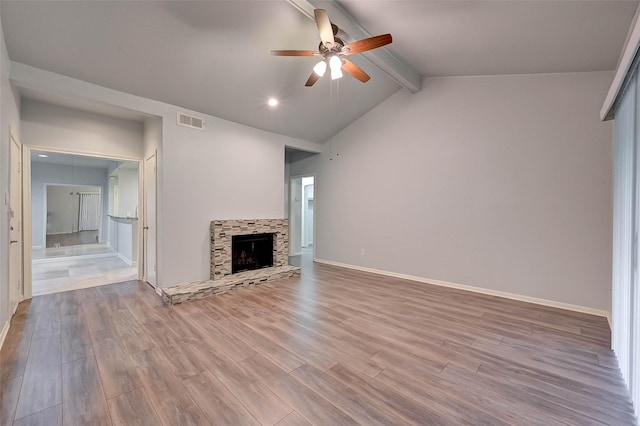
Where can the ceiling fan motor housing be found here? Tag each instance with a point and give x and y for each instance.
(336, 48)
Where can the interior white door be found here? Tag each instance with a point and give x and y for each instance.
(149, 226)
(15, 224)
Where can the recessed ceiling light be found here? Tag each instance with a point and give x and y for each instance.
(43, 155)
(272, 102)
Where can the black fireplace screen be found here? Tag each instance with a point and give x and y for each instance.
(253, 251)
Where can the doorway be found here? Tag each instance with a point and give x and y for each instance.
(301, 216)
(83, 215)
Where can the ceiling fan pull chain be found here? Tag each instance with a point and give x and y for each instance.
(337, 118)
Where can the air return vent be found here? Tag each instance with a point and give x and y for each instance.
(190, 121)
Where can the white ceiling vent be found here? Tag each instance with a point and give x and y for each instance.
(190, 121)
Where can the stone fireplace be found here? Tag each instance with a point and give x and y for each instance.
(243, 253)
(222, 239)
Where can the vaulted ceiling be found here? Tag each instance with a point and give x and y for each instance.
(214, 56)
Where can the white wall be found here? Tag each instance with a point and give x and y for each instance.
(113, 180)
(57, 127)
(127, 192)
(498, 182)
(62, 210)
(42, 173)
(63, 207)
(9, 119)
(227, 171)
(124, 238)
(230, 171)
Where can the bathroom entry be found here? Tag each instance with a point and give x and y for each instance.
(301, 206)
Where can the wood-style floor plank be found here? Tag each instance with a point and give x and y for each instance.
(42, 381)
(333, 346)
(255, 396)
(117, 371)
(133, 408)
(378, 394)
(277, 354)
(342, 397)
(76, 339)
(218, 404)
(83, 401)
(293, 419)
(167, 394)
(9, 392)
(313, 407)
(14, 353)
(51, 416)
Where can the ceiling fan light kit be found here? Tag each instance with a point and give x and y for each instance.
(320, 68)
(335, 64)
(334, 50)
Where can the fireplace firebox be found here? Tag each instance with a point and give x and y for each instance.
(252, 251)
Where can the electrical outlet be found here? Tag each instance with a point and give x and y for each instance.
(361, 252)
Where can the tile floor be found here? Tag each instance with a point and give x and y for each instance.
(79, 250)
(76, 267)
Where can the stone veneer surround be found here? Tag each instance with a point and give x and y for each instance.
(223, 230)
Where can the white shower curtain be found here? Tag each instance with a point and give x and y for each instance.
(89, 219)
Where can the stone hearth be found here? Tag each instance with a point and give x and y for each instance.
(199, 289)
(221, 279)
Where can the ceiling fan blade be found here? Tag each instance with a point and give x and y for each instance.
(312, 79)
(367, 44)
(324, 28)
(355, 71)
(294, 53)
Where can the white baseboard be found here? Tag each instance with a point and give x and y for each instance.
(5, 330)
(513, 296)
(124, 259)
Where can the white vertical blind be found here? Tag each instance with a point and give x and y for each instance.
(625, 307)
(634, 317)
(89, 219)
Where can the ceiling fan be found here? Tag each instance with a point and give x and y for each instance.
(333, 51)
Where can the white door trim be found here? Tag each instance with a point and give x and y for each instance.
(143, 245)
(315, 207)
(27, 237)
(13, 139)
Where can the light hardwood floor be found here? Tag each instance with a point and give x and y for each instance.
(333, 347)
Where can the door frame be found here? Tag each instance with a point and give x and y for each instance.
(13, 139)
(315, 208)
(27, 237)
(144, 220)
